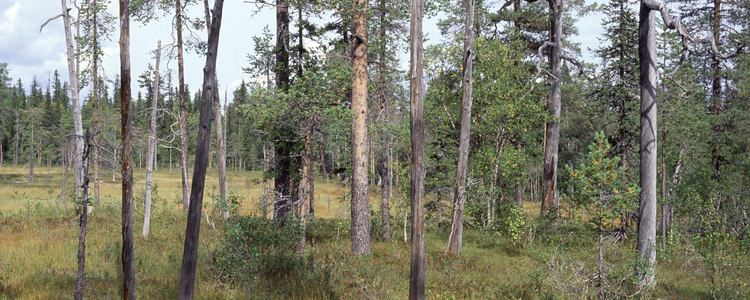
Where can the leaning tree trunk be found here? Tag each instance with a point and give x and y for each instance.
(417, 269)
(549, 192)
(221, 153)
(151, 146)
(360, 198)
(455, 240)
(77, 121)
(128, 264)
(192, 230)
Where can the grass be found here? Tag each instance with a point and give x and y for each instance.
(38, 246)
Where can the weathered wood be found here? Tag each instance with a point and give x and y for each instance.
(646, 245)
(552, 134)
(417, 269)
(360, 199)
(83, 221)
(151, 146)
(183, 110)
(74, 97)
(95, 100)
(192, 230)
(282, 146)
(455, 240)
(126, 121)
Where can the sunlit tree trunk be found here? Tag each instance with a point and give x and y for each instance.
(417, 268)
(360, 198)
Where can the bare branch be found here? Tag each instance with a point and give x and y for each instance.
(51, 19)
(673, 24)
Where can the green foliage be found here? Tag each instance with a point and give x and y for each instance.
(255, 248)
(597, 190)
(512, 223)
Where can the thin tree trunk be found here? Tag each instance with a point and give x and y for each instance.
(78, 293)
(646, 245)
(192, 230)
(552, 134)
(183, 110)
(77, 121)
(417, 269)
(31, 152)
(151, 146)
(455, 240)
(385, 184)
(360, 198)
(95, 91)
(128, 263)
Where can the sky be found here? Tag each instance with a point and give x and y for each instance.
(31, 53)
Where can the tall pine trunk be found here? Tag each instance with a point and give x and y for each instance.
(283, 152)
(552, 134)
(360, 199)
(128, 263)
(417, 268)
(646, 245)
(94, 71)
(183, 110)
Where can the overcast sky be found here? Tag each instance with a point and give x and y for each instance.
(30, 53)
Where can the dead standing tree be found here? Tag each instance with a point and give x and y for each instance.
(646, 245)
(192, 230)
(417, 269)
(128, 263)
(455, 240)
(73, 74)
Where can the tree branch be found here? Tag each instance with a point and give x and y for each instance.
(51, 19)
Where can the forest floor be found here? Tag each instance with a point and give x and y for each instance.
(39, 241)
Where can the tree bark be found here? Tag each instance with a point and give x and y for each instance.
(77, 121)
(360, 198)
(417, 269)
(128, 264)
(221, 153)
(78, 293)
(95, 99)
(385, 183)
(646, 245)
(151, 146)
(192, 230)
(455, 240)
(183, 110)
(282, 147)
(549, 193)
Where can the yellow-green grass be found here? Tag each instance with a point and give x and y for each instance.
(17, 193)
(38, 252)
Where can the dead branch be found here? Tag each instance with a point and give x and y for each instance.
(51, 19)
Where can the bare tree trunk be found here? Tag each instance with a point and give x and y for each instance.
(360, 198)
(31, 152)
(78, 293)
(455, 240)
(304, 206)
(192, 231)
(17, 139)
(549, 193)
(95, 91)
(77, 121)
(646, 245)
(417, 269)
(518, 197)
(385, 184)
(151, 146)
(128, 264)
(183, 110)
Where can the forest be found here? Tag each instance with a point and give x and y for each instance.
(362, 163)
